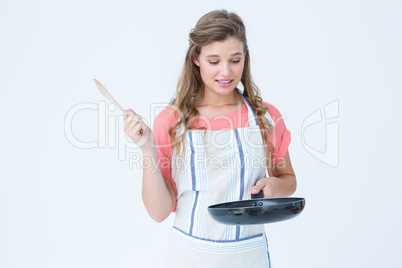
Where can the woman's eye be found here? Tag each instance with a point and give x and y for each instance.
(214, 62)
(235, 61)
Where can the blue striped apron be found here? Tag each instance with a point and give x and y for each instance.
(220, 170)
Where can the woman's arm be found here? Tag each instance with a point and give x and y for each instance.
(157, 192)
(282, 180)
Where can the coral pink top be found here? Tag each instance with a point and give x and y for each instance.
(279, 136)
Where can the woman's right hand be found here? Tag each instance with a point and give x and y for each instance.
(138, 131)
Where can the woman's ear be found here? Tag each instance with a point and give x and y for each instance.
(245, 53)
(195, 60)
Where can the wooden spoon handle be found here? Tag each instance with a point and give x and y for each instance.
(106, 93)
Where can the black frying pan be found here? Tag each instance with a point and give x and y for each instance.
(257, 211)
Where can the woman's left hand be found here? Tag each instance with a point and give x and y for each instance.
(280, 183)
(267, 185)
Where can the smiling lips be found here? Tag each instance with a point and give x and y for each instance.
(225, 82)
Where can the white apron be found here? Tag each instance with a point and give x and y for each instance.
(221, 170)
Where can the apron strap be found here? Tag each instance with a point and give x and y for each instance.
(252, 117)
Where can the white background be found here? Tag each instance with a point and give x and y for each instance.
(64, 206)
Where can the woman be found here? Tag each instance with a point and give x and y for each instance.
(214, 144)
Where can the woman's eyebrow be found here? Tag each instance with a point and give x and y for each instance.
(217, 56)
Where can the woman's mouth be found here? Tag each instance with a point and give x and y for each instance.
(225, 82)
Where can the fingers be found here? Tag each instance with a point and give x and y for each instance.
(137, 132)
(130, 116)
(257, 187)
(132, 121)
(128, 112)
(264, 186)
(268, 193)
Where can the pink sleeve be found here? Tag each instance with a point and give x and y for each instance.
(280, 135)
(164, 143)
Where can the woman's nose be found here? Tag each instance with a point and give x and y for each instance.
(225, 69)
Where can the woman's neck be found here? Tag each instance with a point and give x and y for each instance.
(211, 99)
(213, 105)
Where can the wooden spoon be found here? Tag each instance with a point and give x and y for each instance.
(106, 93)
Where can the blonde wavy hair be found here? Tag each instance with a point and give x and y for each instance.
(214, 26)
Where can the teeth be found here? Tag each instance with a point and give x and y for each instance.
(224, 82)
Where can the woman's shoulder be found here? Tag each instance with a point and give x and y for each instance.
(168, 114)
(167, 117)
(272, 110)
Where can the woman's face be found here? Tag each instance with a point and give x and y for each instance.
(221, 65)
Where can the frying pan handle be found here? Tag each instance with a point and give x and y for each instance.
(259, 195)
